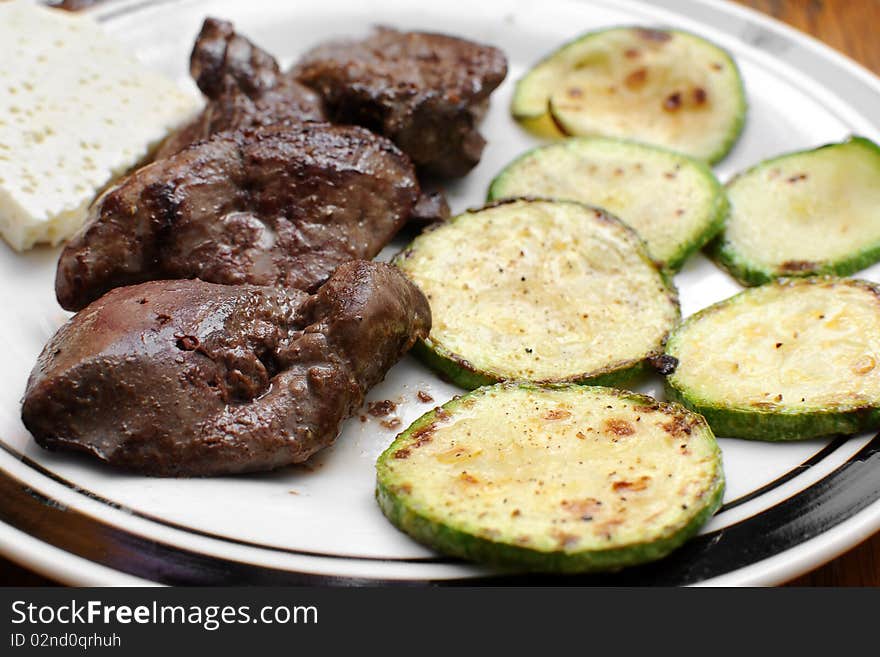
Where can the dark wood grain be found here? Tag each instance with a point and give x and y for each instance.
(851, 27)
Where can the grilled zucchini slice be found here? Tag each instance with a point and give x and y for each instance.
(790, 360)
(675, 203)
(804, 213)
(554, 479)
(664, 87)
(537, 290)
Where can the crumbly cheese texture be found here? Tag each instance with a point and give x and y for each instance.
(76, 111)
(541, 291)
(572, 469)
(670, 200)
(799, 346)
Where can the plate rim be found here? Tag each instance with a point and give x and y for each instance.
(71, 569)
(147, 552)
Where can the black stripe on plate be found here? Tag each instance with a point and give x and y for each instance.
(822, 454)
(813, 460)
(51, 522)
(840, 495)
(198, 532)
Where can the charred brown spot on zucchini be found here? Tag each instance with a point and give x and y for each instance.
(804, 213)
(790, 360)
(613, 482)
(675, 203)
(540, 291)
(679, 91)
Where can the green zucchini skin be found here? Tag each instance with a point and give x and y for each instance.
(778, 424)
(749, 273)
(465, 374)
(769, 426)
(545, 125)
(751, 276)
(713, 228)
(453, 542)
(448, 539)
(716, 214)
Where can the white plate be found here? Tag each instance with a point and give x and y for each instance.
(788, 507)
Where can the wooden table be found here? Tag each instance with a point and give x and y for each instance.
(850, 27)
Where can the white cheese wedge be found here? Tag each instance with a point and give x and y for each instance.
(76, 110)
